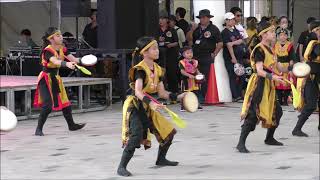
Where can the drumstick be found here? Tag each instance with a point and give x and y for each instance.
(176, 119)
(81, 68)
(295, 93)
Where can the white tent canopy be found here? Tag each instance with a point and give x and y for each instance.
(35, 15)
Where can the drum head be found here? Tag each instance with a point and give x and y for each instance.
(89, 60)
(301, 69)
(190, 102)
(199, 77)
(8, 119)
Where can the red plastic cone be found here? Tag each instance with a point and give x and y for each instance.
(212, 91)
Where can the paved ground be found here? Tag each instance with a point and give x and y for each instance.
(205, 149)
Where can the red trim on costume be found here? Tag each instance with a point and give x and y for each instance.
(36, 99)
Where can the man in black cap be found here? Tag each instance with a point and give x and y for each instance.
(304, 39)
(207, 43)
(310, 85)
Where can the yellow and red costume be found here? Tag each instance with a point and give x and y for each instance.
(50, 74)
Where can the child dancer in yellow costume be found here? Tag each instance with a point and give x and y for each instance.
(284, 50)
(51, 94)
(140, 114)
(260, 102)
(309, 87)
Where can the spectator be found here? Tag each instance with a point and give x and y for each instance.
(207, 43)
(26, 35)
(233, 45)
(181, 36)
(90, 32)
(181, 22)
(238, 14)
(169, 51)
(304, 39)
(284, 24)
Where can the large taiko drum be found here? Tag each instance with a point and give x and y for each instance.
(190, 102)
(301, 69)
(8, 119)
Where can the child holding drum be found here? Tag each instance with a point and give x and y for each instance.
(191, 76)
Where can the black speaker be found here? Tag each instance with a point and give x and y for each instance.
(122, 22)
(75, 8)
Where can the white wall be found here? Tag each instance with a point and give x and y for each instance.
(217, 8)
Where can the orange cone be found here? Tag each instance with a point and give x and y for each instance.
(212, 91)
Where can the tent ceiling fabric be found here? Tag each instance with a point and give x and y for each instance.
(12, 22)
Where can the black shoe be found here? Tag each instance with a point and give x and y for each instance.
(122, 168)
(242, 148)
(237, 99)
(161, 160)
(273, 142)
(242, 140)
(76, 127)
(182, 109)
(123, 172)
(165, 162)
(299, 133)
(38, 132)
(200, 108)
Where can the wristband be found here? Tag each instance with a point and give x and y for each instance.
(80, 63)
(269, 76)
(146, 100)
(173, 96)
(63, 64)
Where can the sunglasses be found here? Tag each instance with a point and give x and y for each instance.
(239, 15)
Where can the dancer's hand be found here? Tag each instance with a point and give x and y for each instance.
(154, 106)
(191, 76)
(181, 96)
(278, 78)
(71, 65)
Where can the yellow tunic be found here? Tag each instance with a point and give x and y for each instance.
(162, 128)
(301, 82)
(265, 110)
(282, 52)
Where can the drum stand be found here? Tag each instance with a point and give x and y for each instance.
(8, 68)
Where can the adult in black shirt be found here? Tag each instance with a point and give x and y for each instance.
(304, 39)
(207, 43)
(90, 32)
(181, 22)
(233, 52)
(169, 51)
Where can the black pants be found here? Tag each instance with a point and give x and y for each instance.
(311, 98)
(205, 61)
(139, 124)
(283, 96)
(172, 70)
(47, 106)
(236, 82)
(251, 119)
